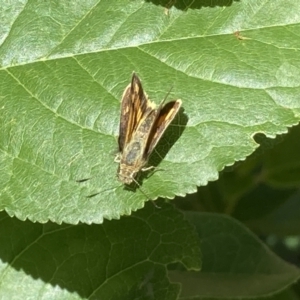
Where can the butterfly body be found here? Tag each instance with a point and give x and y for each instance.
(141, 127)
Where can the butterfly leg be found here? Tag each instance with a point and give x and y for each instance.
(117, 158)
(148, 168)
(152, 168)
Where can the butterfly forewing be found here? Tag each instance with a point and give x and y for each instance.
(133, 107)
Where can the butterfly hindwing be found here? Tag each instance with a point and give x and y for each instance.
(165, 115)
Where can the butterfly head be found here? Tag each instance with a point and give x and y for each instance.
(126, 175)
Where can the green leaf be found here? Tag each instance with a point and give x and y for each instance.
(273, 204)
(283, 221)
(236, 264)
(282, 171)
(65, 64)
(121, 259)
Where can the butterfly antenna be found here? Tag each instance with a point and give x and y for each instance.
(167, 95)
(143, 192)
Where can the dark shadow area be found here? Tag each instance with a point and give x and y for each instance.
(169, 138)
(60, 255)
(261, 190)
(77, 258)
(191, 4)
(265, 144)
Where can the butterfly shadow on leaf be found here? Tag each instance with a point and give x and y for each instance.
(169, 138)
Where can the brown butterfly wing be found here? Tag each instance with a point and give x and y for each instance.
(133, 107)
(165, 115)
